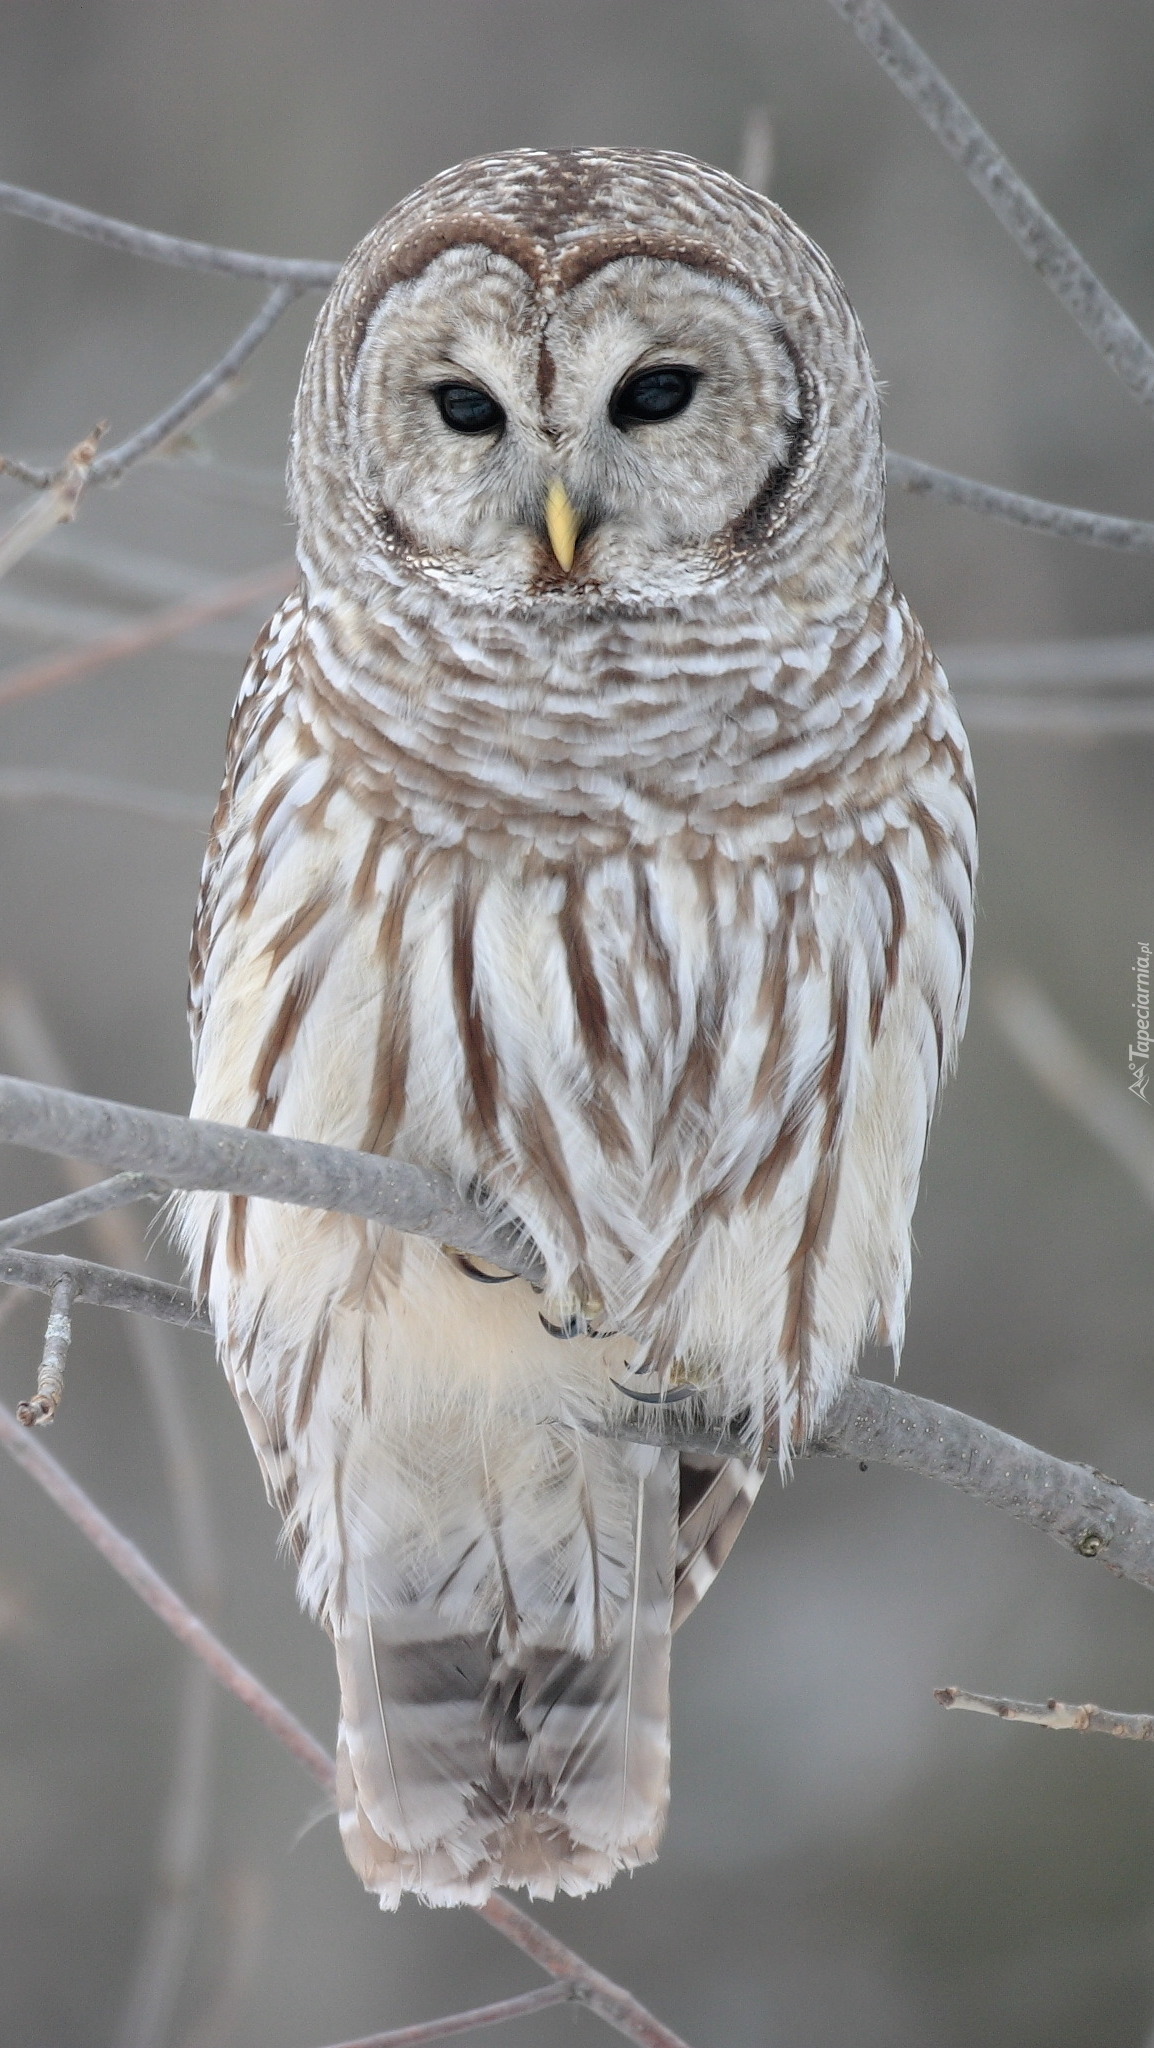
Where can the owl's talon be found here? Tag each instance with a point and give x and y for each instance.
(668, 1399)
(573, 1326)
(465, 1265)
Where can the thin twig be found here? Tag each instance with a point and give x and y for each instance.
(1066, 522)
(67, 1210)
(189, 1153)
(130, 799)
(174, 249)
(613, 2004)
(42, 1407)
(203, 389)
(463, 2022)
(1087, 1720)
(55, 508)
(102, 1286)
(146, 1582)
(152, 631)
(1025, 219)
(181, 1859)
(110, 467)
(617, 2007)
(1073, 1078)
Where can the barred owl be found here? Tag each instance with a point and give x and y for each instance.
(597, 828)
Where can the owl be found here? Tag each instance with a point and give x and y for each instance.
(597, 828)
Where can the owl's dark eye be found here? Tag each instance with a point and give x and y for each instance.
(653, 395)
(468, 409)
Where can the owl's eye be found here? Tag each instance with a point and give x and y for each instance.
(653, 395)
(468, 409)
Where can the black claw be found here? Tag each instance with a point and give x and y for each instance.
(665, 1400)
(474, 1272)
(573, 1328)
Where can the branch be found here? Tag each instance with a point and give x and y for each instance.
(912, 70)
(618, 2008)
(153, 630)
(1087, 1720)
(174, 249)
(180, 1862)
(55, 508)
(612, 2004)
(49, 1217)
(109, 468)
(146, 1582)
(1067, 522)
(188, 1153)
(103, 1286)
(1075, 1505)
(1078, 1507)
(1025, 219)
(464, 2022)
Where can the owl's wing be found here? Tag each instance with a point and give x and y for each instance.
(256, 708)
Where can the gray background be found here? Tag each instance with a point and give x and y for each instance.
(845, 1863)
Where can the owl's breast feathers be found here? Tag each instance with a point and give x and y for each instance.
(688, 1013)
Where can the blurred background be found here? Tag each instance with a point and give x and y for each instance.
(845, 1862)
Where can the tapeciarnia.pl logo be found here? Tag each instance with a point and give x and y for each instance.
(1139, 1052)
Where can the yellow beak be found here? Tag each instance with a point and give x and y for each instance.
(561, 524)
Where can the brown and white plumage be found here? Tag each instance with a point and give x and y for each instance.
(637, 888)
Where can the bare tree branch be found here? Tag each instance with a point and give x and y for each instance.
(146, 1582)
(194, 400)
(463, 2022)
(67, 1210)
(184, 1832)
(1087, 1720)
(55, 508)
(244, 1908)
(1075, 1505)
(617, 2007)
(189, 1153)
(152, 631)
(611, 2003)
(109, 468)
(102, 1286)
(1081, 1509)
(1024, 218)
(1066, 522)
(174, 249)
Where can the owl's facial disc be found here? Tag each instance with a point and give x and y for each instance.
(590, 446)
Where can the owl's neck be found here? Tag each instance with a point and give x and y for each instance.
(616, 733)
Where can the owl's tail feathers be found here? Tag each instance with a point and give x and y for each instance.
(467, 1761)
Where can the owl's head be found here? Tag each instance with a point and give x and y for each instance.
(582, 382)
